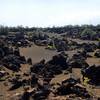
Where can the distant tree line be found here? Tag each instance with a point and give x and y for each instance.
(69, 29)
(3, 30)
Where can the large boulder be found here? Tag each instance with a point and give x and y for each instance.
(78, 60)
(93, 73)
(89, 47)
(97, 54)
(71, 86)
(52, 67)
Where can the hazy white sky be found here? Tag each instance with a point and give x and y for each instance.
(44, 13)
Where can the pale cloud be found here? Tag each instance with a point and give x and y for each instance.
(49, 12)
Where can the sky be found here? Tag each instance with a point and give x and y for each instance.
(48, 13)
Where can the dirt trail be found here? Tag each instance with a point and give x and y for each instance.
(37, 53)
